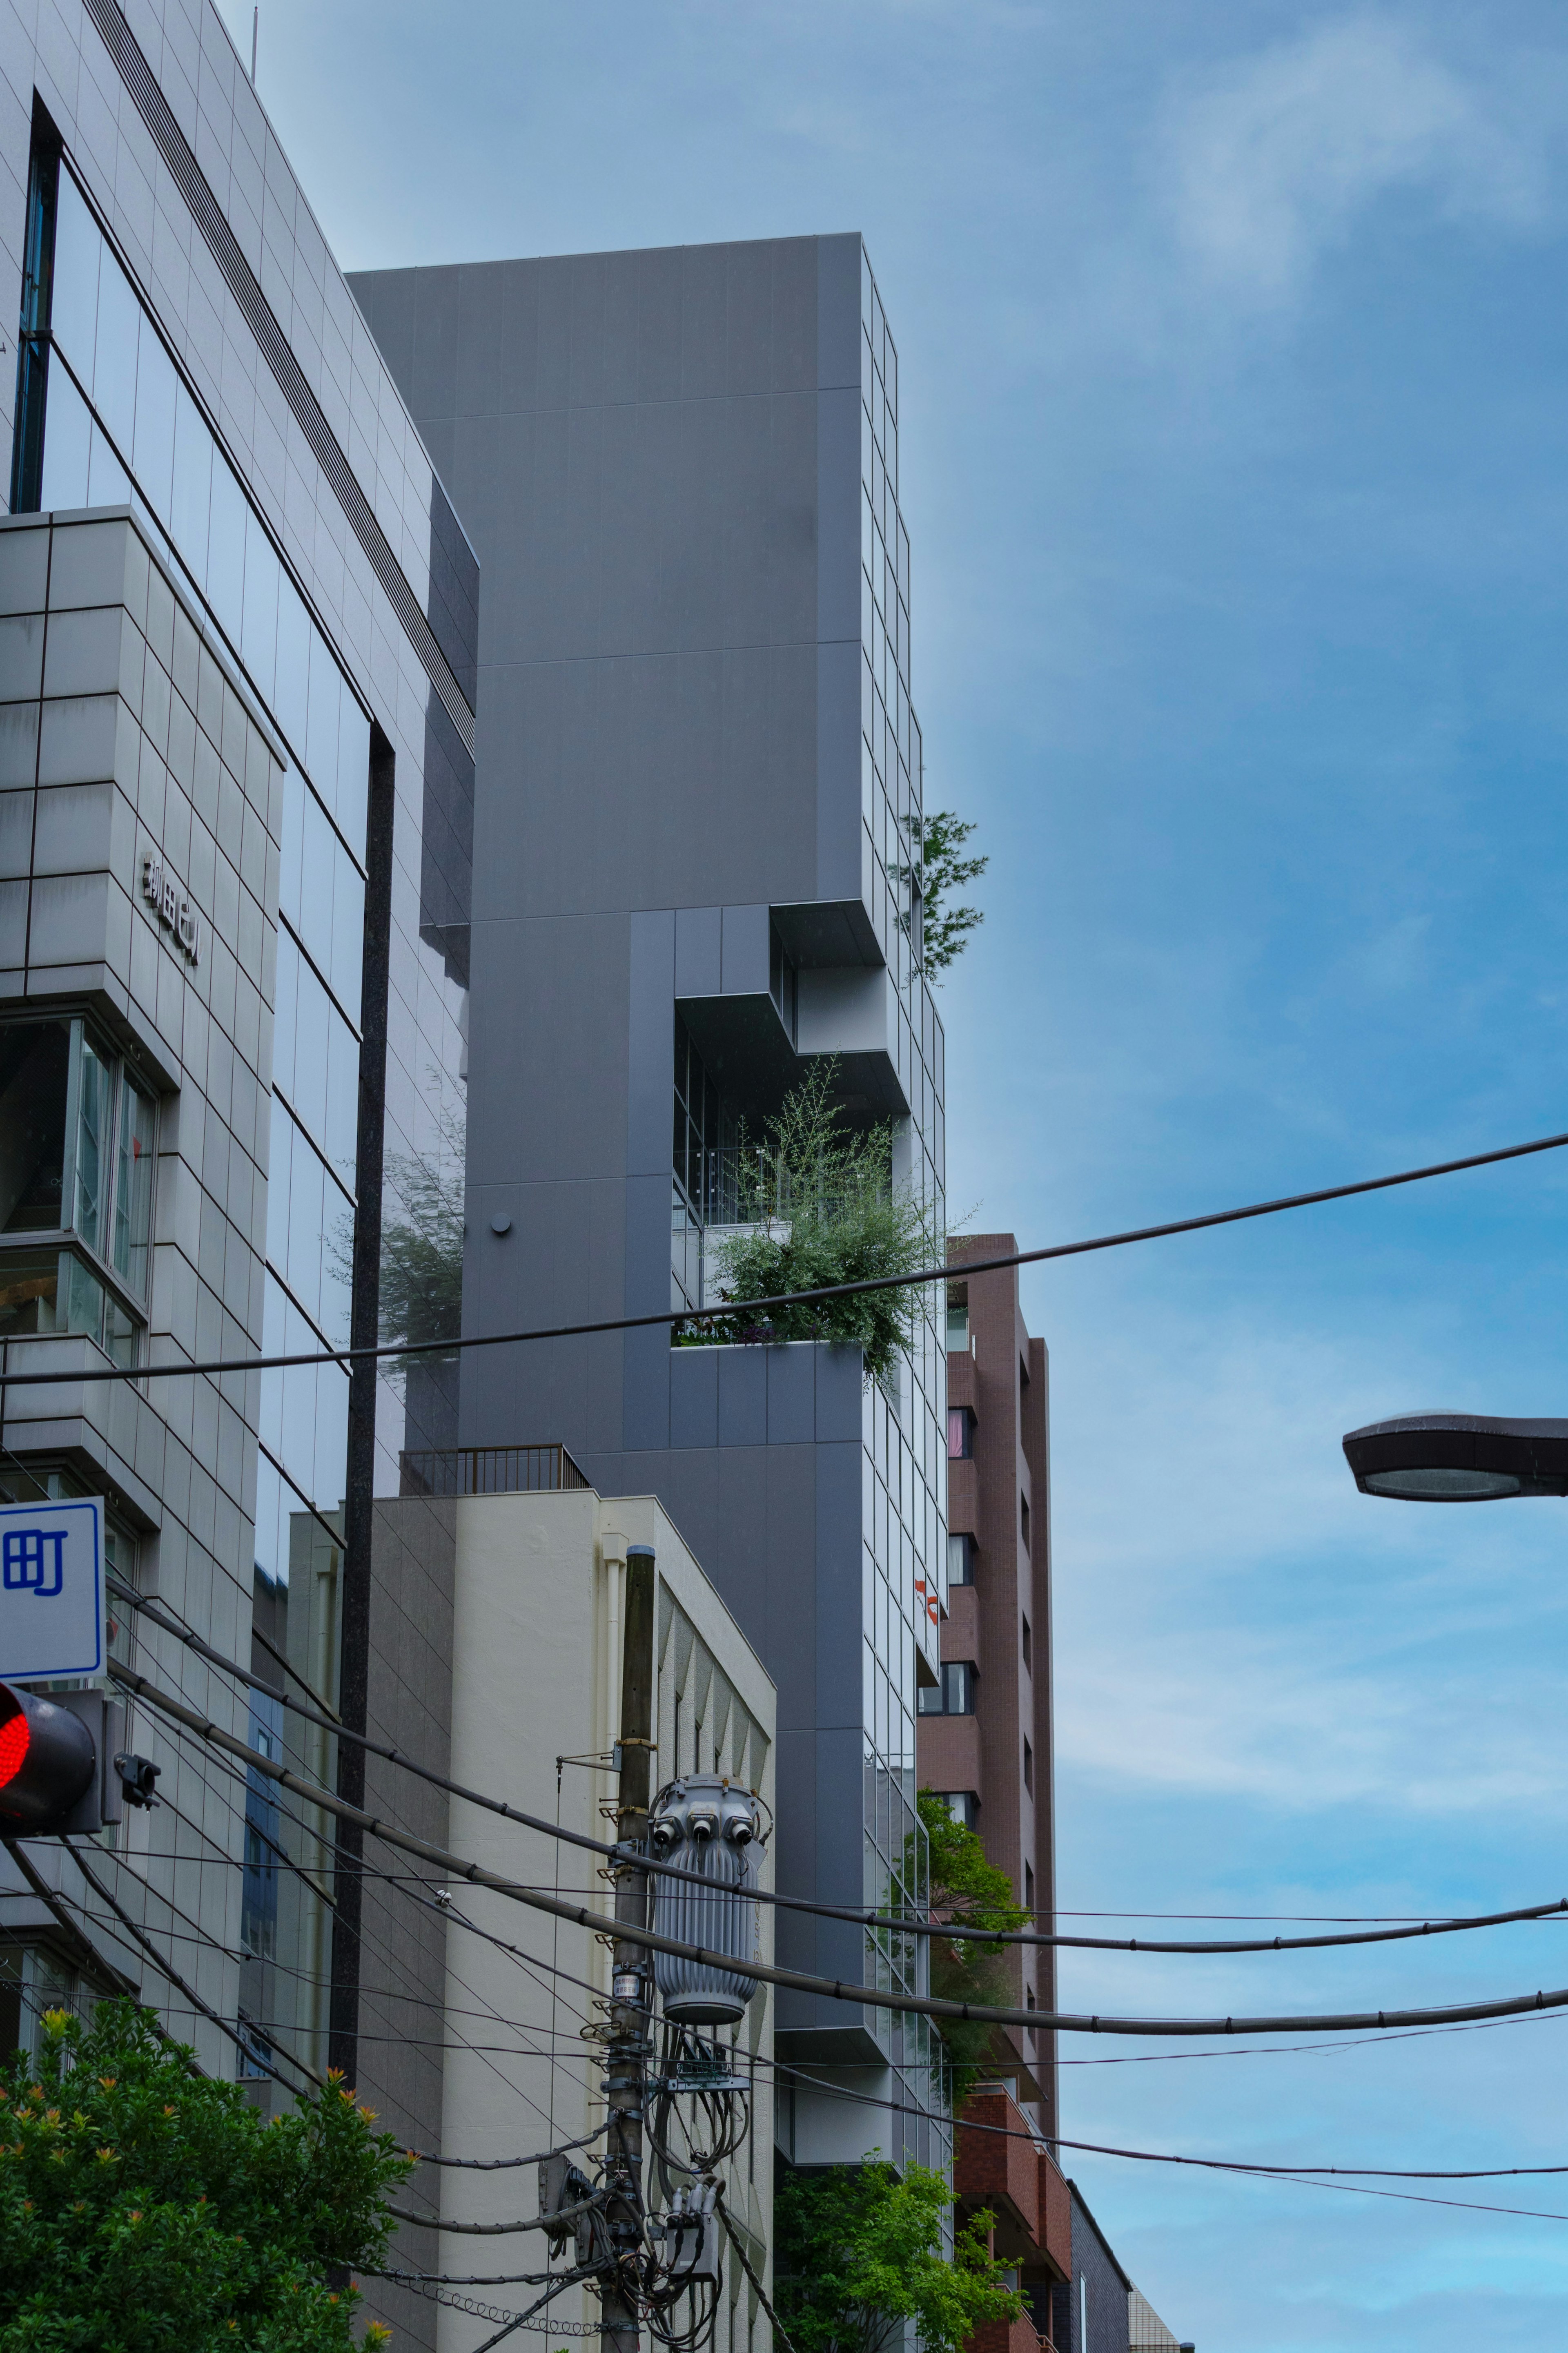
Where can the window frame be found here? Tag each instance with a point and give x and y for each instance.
(968, 1555)
(68, 1239)
(961, 1419)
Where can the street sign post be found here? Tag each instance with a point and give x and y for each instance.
(52, 1622)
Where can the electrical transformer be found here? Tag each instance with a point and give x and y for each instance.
(708, 1825)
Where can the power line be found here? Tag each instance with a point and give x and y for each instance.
(836, 1988)
(820, 1296)
(956, 1931)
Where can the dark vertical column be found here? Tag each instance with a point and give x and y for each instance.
(32, 328)
(343, 2039)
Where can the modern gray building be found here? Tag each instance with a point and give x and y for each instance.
(237, 682)
(697, 877)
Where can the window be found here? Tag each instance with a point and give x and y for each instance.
(960, 1434)
(77, 1132)
(957, 1317)
(1024, 1510)
(962, 1805)
(955, 1695)
(1030, 1889)
(1028, 1768)
(1028, 1648)
(961, 1560)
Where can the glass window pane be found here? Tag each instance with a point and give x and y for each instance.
(191, 502)
(68, 436)
(30, 1286)
(157, 402)
(225, 548)
(91, 1145)
(258, 635)
(292, 692)
(114, 362)
(321, 735)
(134, 1184)
(354, 773)
(34, 1068)
(107, 483)
(343, 1103)
(348, 935)
(73, 306)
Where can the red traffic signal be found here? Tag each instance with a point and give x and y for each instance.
(48, 1762)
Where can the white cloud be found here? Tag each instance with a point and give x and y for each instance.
(1272, 162)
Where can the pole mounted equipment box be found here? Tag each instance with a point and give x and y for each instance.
(705, 1824)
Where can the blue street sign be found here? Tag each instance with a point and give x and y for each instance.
(51, 1591)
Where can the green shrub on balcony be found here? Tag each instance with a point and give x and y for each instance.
(817, 1204)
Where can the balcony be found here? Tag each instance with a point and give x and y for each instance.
(1000, 2167)
(1019, 2335)
(488, 1470)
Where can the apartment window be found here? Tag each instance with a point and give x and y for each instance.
(1030, 1889)
(78, 1132)
(955, 1695)
(963, 1805)
(1028, 1647)
(960, 1434)
(1024, 1519)
(960, 1560)
(1028, 1768)
(958, 1317)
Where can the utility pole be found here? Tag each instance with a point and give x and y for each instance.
(630, 2045)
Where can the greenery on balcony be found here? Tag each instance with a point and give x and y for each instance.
(817, 1204)
(967, 1891)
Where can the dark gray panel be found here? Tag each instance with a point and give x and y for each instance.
(699, 965)
(839, 1672)
(694, 1397)
(838, 824)
(645, 1404)
(743, 1397)
(479, 342)
(839, 501)
(746, 968)
(648, 1247)
(748, 318)
(703, 357)
(659, 276)
(651, 1058)
(838, 310)
(839, 1390)
(795, 314)
(792, 1395)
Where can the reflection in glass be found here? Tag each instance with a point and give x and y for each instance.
(92, 1119)
(133, 1186)
(67, 440)
(34, 1068)
(47, 1294)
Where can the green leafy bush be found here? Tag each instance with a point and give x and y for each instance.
(859, 2250)
(815, 1203)
(967, 1891)
(145, 2209)
(945, 929)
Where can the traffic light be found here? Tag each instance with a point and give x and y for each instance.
(55, 1768)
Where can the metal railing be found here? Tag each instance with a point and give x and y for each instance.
(487, 1471)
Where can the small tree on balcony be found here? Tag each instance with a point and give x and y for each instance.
(967, 1891)
(860, 2252)
(817, 1204)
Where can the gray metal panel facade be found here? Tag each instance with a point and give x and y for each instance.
(694, 728)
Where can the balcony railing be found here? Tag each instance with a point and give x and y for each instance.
(487, 1471)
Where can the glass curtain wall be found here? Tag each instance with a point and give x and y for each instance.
(904, 1568)
(122, 428)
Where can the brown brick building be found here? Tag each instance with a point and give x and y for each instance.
(985, 1735)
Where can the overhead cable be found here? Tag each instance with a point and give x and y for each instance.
(819, 1297)
(799, 1980)
(955, 1931)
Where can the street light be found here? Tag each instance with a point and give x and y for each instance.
(1458, 1458)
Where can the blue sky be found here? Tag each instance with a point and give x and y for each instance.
(1234, 458)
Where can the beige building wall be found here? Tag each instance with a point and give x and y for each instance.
(536, 1692)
